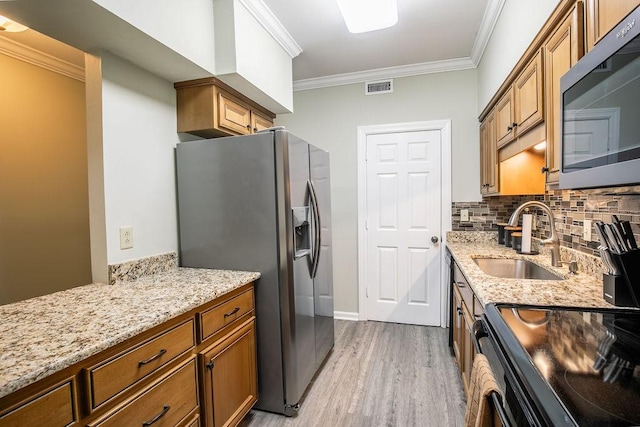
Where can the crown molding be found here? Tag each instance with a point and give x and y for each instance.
(385, 73)
(41, 59)
(268, 20)
(489, 20)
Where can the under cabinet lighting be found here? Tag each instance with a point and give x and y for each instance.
(540, 146)
(362, 16)
(9, 26)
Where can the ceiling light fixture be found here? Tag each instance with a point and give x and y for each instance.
(9, 26)
(362, 16)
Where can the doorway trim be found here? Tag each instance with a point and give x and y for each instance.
(444, 126)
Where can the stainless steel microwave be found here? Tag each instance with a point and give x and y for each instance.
(600, 98)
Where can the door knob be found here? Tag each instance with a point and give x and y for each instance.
(434, 239)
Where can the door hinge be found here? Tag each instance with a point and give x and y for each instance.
(366, 224)
(366, 292)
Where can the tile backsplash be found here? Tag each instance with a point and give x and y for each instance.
(570, 208)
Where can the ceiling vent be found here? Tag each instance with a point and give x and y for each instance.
(379, 87)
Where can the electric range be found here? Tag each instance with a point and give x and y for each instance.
(563, 366)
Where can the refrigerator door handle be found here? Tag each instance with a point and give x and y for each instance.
(315, 259)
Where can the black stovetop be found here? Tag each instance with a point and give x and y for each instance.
(589, 358)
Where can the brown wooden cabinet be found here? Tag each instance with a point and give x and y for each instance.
(504, 119)
(603, 15)
(488, 157)
(230, 386)
(561, 51)
(160, 377)
(528, 96)
(465, 309)
(521, 106)
(209, 108)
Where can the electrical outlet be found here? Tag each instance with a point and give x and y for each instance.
(464, 215)
(126, 237)
(586, 230)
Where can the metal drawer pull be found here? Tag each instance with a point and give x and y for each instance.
(152, 358)
(232, 312)
(162, 413)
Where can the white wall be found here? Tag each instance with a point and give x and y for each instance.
(329, 118)
(518, 24)
(138, 139)
(186, 26)
(248, 57)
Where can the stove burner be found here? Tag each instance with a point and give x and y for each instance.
(602, 400)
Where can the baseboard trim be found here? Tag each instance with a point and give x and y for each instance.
(346, 315)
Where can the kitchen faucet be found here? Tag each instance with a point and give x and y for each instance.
(553, 239)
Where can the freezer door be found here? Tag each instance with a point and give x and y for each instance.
(323, 281)
(300, 360)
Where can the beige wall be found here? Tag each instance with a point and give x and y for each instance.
(329, 118)
(44, 213)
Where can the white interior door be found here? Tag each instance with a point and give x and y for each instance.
(403, 196)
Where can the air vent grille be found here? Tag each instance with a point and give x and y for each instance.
(379, 87)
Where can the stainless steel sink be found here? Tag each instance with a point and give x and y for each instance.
(509, 268)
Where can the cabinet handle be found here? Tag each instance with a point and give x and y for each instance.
(255, 130)
(459, 310)
(509, 128)
(152, 358)
(514, 124)
(544, 169)
(210, 364)
(232, 312)
(248, 127)
(162, 413)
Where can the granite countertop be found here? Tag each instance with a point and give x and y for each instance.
(580, 290)
(44, 335)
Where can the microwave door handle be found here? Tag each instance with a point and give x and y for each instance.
(317, 241)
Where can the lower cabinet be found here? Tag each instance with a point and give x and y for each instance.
(465, 309)
(230, 387)
(196, 370)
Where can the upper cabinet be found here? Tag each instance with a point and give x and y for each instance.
(527, 91)
(521, 107)
(488, 153)
(561, 51)
(603, 15)
(526, 109)
(208, 108)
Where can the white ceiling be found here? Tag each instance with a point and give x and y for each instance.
(431, 36)
(429, 33)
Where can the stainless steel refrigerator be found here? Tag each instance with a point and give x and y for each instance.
(262, 203)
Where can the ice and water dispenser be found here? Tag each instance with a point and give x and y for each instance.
(301, 232)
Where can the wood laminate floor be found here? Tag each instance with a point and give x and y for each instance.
(380, 374)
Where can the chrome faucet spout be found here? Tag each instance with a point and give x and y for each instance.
(553, 238)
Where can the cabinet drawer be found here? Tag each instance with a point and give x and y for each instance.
(168, 402)
(211, 321)
(54, 407)
(463, 286)
(114, 375)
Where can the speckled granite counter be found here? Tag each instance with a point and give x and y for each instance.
(581, 290)
(44, 335)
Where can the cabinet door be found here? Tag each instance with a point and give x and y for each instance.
(230, 386)
(233, 115)
(260, 122)
(562, 50)
(488, 157)
(528, 96)
(603, 15)
(504, 119)
(456, 307)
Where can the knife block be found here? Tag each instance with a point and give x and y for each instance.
(624, 289)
